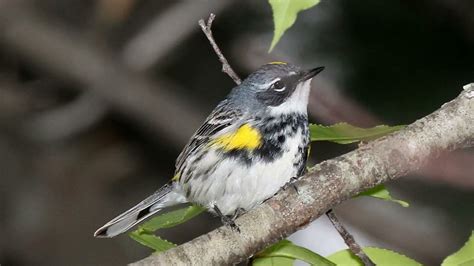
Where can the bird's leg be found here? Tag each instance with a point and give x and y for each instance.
(226, 220)
(237, 213)
(292, 184)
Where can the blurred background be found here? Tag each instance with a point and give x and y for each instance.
(98, 97)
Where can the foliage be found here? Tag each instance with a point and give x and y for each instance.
(344, 133)
(284, 15)
(379, 256)
(145, 234)
(380, 192)
(464, 256)
(152, 241)
(285, 253)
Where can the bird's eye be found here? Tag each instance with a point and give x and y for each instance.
(278, 86)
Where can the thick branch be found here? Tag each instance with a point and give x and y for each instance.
(329, 183)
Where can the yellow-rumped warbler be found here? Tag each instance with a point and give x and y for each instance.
(253, 143)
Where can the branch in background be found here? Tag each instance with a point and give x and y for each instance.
(66, 121)
(331, 182)
(349, 239)
(455, 169)
(143, 51)
(73, 59)
(226, 68)
(165, 31)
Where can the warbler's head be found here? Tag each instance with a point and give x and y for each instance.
(276, 87)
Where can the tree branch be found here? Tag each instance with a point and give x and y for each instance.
(329, 183)
(226, 68)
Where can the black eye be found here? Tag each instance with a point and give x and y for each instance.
(278, 86)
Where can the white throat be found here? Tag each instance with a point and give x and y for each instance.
(296, 103)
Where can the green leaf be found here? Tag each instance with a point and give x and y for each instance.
(344, 133)
(380, 192)
(152, 241)
(273, 261)
(462, 257)
(276, 254)
(284, 15)
(378, 255)
(171, 219)
(145, 234)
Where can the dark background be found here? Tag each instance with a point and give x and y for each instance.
(98, 97)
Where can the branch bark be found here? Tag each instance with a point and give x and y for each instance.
(329, 183)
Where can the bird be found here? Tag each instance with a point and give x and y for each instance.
(252, 144)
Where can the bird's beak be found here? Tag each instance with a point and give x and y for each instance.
(309, 74)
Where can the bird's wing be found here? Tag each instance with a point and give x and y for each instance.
(223, 119)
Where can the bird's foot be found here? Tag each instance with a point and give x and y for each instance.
(292, 184)
(226, 220)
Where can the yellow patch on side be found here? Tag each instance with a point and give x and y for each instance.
(176, 177)
(277, 63)
(246, 137)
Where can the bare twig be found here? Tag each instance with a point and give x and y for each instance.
(349, 239)
(226, 68)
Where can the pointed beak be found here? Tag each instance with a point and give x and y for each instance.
(309, 74)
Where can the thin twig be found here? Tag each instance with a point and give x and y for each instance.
(226, 68)
(349, 239)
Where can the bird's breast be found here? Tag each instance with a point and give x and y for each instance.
(266, 140)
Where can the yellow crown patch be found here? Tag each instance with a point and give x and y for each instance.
(277, 63)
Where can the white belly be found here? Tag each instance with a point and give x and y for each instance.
(234, 185)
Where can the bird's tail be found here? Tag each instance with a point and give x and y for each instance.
(164, 197)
